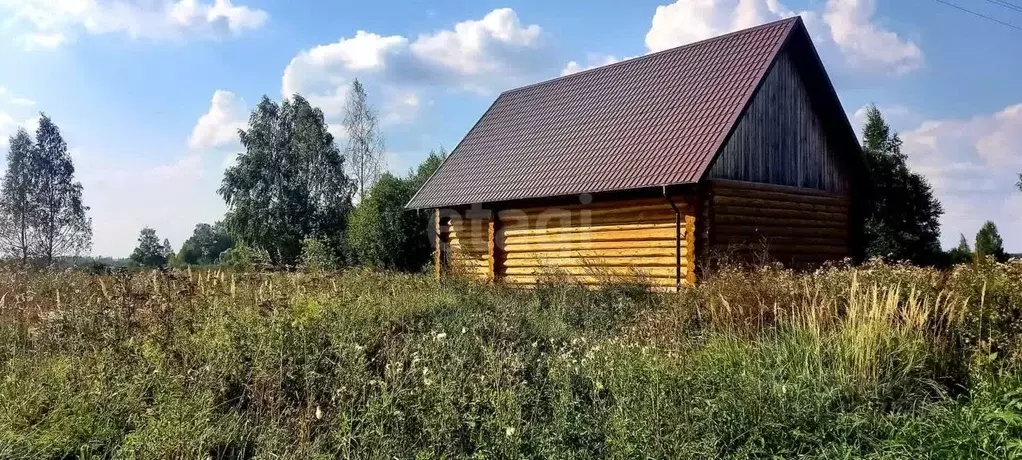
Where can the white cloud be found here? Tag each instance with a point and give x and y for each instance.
(973, 165)
(593, 61)
(15, 112)
(866, 44)
(51, 23)
(484, 55)
(848, 25)
(687, 21)
(219, 126)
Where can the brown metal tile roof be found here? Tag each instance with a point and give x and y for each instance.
(650, 121)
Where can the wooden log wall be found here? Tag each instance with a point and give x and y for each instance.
(465, 245)
(635, 240)
(796, 226)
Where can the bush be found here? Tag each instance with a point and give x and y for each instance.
(317, 256)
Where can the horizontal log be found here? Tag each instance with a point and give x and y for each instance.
(754, 221)
(723, 186)
(468, 247)
(595, 263)
(775, 204)
(593, 254)
(602, 236)
(595, 229)
(593, 271)
(785, 248)
(588, 280)
(588, 245)
(595, 206)
(516, 216)
(589, 221)
(776, 213)
(780, 240)
(771, 231)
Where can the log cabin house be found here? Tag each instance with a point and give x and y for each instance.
(646, 168)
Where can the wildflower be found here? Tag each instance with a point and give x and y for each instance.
(509, 431)
(463, 330)
(319, 413)
(441, 336)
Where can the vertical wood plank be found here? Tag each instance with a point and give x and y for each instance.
(690, 245)
(437, 243)
(492, 248)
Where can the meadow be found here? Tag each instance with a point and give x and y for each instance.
(876, 361)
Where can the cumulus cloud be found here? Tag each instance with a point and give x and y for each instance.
(593, 61)
(848, 25)
(15, 112)
(50, 23)
(479, 55)
(865, 43)
(687, 21)
(219, 126)
(972, 165)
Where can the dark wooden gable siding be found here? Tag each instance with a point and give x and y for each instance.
(780, 139)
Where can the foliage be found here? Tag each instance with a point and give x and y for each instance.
(383, 234)
(150, 253)
(41, 205)
(316, 256)
(960, 254)
(245, 258)
(903, 220)
(883, 361)
(364, 152)
(16, 211)
(62, 224)
(989, 243)
(205, 245)
(289, 184)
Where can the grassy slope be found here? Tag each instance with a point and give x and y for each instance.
(880, 362)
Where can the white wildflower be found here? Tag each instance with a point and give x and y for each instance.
(319, 413)
(509, 431)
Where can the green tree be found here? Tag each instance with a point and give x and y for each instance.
(364, 152)
(425, 170)
(16, 212)
(903, 218)
(289, 183)
(205, 245)
(989, 243)
(150, 253)
(383, 233)
(62, 226)
(316, 256)
(960, 254)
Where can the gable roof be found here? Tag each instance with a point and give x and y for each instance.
(656, 120)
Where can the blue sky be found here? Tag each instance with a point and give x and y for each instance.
(149, 93)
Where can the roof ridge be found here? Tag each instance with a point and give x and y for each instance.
(658, 53)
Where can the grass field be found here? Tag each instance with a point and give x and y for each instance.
(875, 362)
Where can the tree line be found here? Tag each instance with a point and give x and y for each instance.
(297, 199)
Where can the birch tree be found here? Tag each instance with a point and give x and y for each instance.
(62, 226)
(15, 207)
(364, 151)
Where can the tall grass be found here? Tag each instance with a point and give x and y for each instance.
(878, 361)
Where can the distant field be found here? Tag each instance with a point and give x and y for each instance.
(877, 362)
